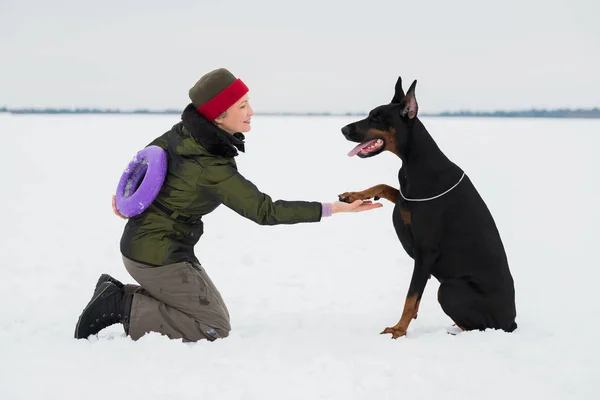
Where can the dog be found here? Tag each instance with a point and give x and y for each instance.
(439, 217)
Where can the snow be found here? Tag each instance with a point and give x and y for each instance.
(307, 301)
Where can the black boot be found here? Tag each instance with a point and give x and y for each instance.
(108, 278)
(109, 305)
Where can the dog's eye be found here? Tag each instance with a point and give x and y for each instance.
(376, 118)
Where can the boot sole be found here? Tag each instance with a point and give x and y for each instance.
(96, 296)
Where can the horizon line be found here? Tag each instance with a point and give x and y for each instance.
(534, 112)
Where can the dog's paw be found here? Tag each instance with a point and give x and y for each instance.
(351, 197)
(395, 332)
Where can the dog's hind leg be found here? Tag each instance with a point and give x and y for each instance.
(462, 304)
(470, 309)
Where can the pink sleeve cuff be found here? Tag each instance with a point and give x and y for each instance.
(326, 210)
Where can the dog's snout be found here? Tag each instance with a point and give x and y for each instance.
(352, 132)
(346, 130)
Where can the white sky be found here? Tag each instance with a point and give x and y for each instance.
(300, 56)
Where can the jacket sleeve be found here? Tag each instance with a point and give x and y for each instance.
(242, 196)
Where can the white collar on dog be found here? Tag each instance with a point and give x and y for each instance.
(434, 197)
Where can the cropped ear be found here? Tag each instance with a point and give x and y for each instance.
(411, 108)
(398, 92)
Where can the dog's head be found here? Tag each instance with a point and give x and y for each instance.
(386, 127)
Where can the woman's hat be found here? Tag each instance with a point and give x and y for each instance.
(215, 92)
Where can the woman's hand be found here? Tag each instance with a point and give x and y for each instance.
(114, 205)
(356, 206)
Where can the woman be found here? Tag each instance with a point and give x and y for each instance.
(176, 297)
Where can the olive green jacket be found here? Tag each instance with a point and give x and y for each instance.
(201, 175)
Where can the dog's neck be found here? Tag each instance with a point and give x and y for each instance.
(426, 171)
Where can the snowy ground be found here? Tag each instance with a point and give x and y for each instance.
(307, 301)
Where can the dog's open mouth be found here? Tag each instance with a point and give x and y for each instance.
(367, 148)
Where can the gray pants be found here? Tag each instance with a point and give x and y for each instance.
(178, 300)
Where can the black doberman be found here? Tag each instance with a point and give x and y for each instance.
(440, 219)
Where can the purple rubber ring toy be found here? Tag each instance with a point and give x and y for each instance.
(141, 181)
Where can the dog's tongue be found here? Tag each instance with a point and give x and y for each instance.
(361, 146)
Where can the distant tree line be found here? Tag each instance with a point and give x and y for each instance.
(533, 113)
(84, 111)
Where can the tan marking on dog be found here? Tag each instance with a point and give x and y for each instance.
(411, 309)
(389, 138)
(460, 327)
(376, 192)
(406, 216)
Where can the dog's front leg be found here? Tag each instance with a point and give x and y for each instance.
(376, 192)
(421, 273)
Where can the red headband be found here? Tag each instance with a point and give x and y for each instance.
(225, 99)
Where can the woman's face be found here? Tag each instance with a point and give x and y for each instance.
(237, 118)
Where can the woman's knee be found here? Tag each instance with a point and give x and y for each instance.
(215, 329)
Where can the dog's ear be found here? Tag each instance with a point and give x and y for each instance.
(411, 108)
(398, 92)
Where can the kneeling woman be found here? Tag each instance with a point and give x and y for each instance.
(175, 296)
